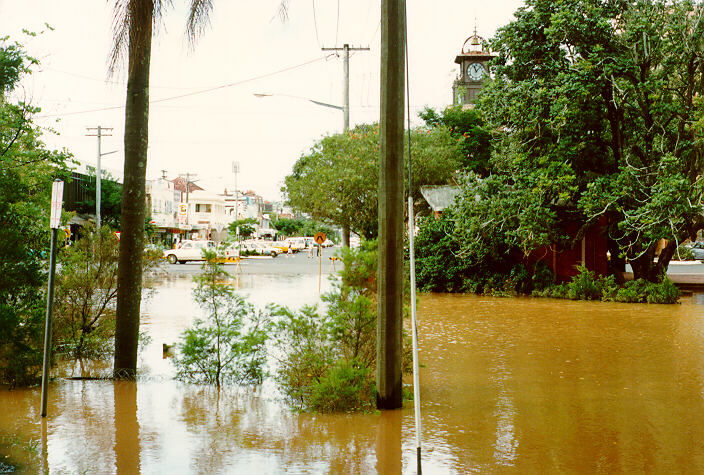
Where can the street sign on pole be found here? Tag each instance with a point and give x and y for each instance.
(319, 238)
(57, 195)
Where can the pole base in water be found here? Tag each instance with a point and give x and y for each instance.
(418, 457)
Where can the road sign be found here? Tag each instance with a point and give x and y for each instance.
(57, 200)
(183, 209)
(319, 238)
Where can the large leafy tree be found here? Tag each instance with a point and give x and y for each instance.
(133, 27)
(599, 116)
(337, 180)
(27, 169)
(467, 126)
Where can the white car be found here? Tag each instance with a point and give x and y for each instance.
(188, 251)
(257, 249)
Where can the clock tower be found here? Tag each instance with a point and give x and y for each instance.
(474, 70)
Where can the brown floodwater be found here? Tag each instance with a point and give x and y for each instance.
(507, 385)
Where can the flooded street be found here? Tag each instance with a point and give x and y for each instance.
(516, 385)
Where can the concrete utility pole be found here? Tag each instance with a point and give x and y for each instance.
(390, 271)
(236, 170)
(346, 110)
(98, 173)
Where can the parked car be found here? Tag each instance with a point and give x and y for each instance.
(698, 250)
(258, 249)
(188, 251)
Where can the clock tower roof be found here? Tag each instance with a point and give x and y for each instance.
(473, 49)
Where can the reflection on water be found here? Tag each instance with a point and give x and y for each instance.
(507, 384)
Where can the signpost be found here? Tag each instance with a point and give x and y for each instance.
(57, 197)
(319, 238)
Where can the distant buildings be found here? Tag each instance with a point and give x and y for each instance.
(180, 209)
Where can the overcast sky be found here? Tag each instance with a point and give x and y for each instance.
(247, 49)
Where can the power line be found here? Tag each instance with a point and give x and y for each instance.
(337, 27)
(202, 91)
(315, 24)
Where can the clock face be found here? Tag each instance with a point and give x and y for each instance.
(475, 71)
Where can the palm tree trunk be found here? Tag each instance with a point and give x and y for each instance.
(129, 292)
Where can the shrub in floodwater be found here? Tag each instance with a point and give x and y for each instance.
(642, 291)
(86, 295)
(587, 286)
(346, 386)
(229, 345)
(327, 360)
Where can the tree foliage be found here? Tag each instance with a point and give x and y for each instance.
(467, 126)
(597, 110)
(302, 227)
(228, 346)
(85, 295)
(328, 359)
(246, 227)
(337, 180)
(27, 170)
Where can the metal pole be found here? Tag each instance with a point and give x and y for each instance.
(414, 327)
(98, 176)
(320, 266)
(56, 205)
(47, 325)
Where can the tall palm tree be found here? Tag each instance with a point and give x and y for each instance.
(133, 26)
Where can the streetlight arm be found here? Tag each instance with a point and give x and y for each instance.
(324, 104)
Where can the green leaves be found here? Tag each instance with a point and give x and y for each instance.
(228, 346)
(597, 113)
(337, 180)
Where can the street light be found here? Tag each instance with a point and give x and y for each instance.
(345, 127)
(319, 103)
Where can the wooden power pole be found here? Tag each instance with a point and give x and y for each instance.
(391, 211)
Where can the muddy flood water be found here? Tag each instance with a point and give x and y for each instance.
(507, 385)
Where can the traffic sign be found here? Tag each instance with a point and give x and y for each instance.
(319, 238)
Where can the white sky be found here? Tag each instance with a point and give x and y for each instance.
(202, 134)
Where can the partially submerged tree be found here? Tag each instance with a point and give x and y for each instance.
(228, 345)
(27, 170)
(133, 26)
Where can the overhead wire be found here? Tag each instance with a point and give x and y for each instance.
(337, 27)
(194, 93)
(315, 24)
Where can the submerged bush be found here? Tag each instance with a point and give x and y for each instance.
(327, 361)
(86, 295)
(587, 286)
(346, 386)
(228, 346)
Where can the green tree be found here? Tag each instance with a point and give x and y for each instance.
(134, 21)
(597, 108)
(27, 170)
(468, 127)
(288, 226)
(246, 227)
(229, 344)
(303, 227)
(337, 180)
